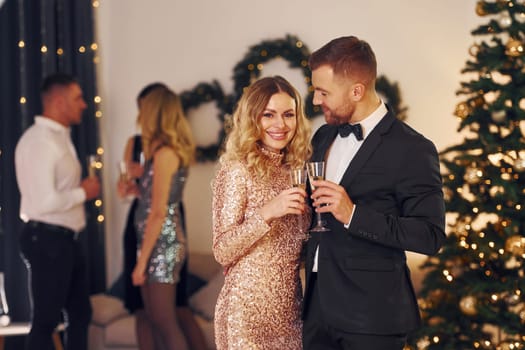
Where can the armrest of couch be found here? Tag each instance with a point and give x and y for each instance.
(106, 309)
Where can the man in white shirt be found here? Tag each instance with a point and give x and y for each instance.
(48, 173)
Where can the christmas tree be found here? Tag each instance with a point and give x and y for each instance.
(473, 294)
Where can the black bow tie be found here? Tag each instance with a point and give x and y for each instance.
(346, 129)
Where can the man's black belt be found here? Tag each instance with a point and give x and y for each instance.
(51, 228)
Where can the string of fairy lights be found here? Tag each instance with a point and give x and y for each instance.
(45, 50)
(98, 112)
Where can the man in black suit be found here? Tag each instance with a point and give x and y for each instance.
(382, 196)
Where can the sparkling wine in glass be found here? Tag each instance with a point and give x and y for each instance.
(125, 179)
(298, 177)
(316, 172)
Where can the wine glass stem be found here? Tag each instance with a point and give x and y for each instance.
(319, 220)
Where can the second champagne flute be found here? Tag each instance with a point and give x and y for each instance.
(316, 172)
(123, 171)
(298, 177)
(93, 164)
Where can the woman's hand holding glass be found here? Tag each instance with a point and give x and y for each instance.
(298, 177)
(128, 172)
(289, 201)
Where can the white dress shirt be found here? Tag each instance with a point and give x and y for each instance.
(48, 174)
(343, 151)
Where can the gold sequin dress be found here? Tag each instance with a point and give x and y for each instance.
(260, 302)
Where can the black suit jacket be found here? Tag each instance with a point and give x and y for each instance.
(363, 279)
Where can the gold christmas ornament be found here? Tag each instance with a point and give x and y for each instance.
(505, 20)
(478, 101)
(474, 50)
(480, 8)
(462, 110)
(515, 245)
(514, 48)
(467, 305)
(473, 175)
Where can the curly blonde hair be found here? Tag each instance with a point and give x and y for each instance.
(163, 123)
(244, 139)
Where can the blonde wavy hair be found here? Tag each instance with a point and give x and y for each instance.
(163, 123)
(243, 141)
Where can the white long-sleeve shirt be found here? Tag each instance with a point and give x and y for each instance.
(48, 173)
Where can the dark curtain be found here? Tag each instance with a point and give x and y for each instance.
(38, 38)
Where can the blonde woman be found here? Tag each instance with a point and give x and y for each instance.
(168, 149)
(257, 219)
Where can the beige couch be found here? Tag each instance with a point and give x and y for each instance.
(113, 328)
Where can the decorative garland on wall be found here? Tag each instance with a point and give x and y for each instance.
(249, 69)
(204, 93)
(290, 49)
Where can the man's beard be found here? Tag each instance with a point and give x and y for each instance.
(333, 118)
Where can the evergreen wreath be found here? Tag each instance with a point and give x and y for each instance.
(204, 93)
(249, 69)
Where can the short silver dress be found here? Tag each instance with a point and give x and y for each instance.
(167, 257)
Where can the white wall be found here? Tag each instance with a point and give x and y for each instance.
(421, 44)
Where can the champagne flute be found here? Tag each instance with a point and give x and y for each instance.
(4, 310)
(298, 179)
(93, 164)
(123, 173)
(316, 172)
(124, 177)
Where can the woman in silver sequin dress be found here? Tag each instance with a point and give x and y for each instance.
(168, 150)
(259, 220)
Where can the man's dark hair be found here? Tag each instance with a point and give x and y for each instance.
(57, 79)
(349, 57)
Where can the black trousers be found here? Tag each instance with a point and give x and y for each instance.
(317, 335)
(58, 283)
